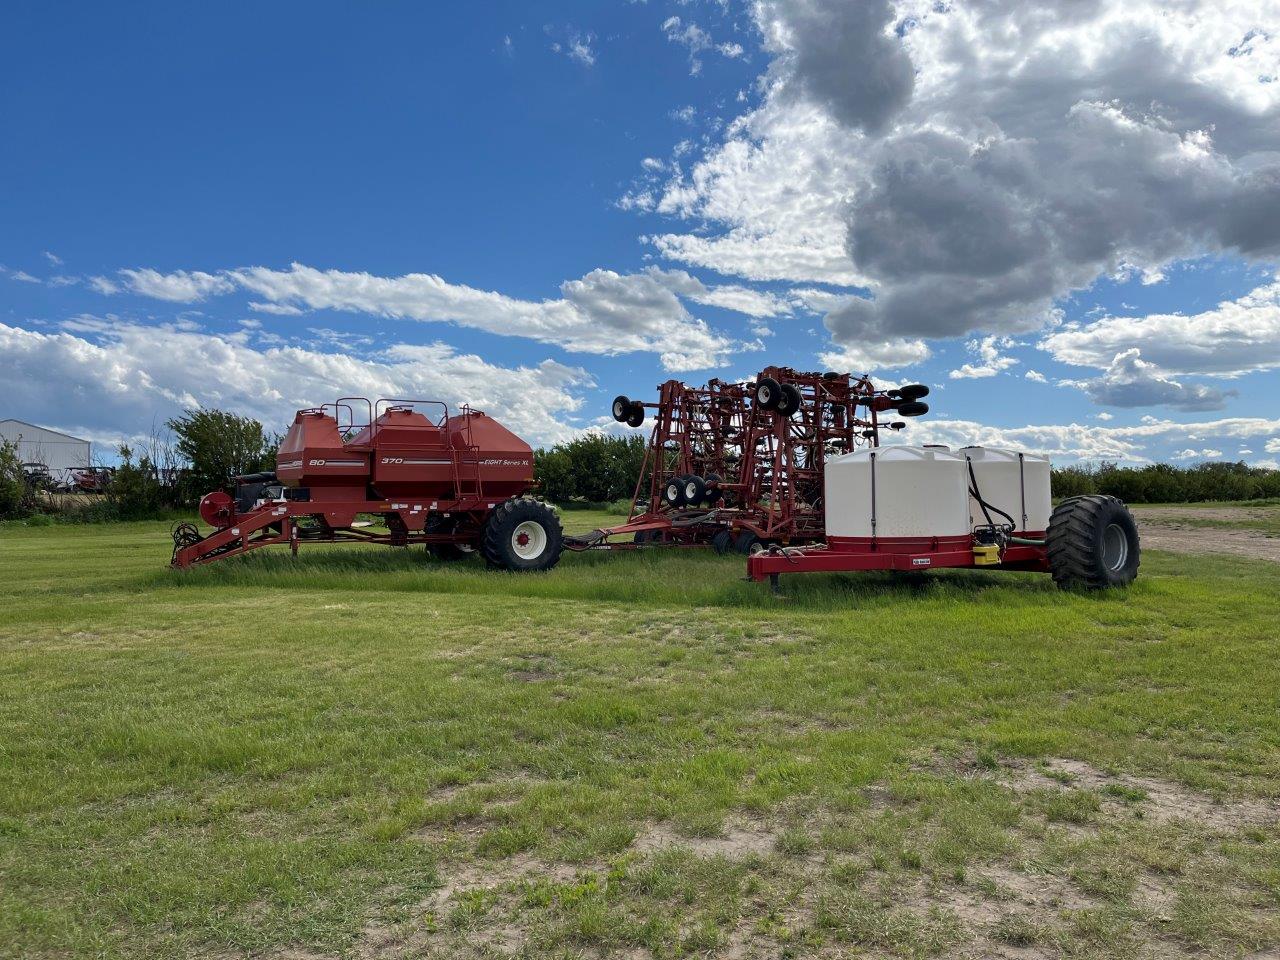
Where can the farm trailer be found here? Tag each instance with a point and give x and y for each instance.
(909, 508)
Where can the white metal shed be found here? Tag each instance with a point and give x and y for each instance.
(59, 452)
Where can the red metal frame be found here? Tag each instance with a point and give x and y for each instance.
(770, 465)
(848, 554)
(277, 522)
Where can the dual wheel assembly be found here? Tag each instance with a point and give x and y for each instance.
(692, 491)
(783, 397)
(628, 411)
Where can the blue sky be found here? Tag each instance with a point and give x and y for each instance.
(534, 208)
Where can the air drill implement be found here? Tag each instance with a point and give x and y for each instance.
(416, 473)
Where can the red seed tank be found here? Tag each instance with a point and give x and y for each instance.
(502, 462)
(412, 457)
(466, 455)
(314, 457)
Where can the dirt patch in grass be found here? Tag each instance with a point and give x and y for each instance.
(1158, 800)
(493, 875)
(1009, 886)
(1184, 530)
(740, 838)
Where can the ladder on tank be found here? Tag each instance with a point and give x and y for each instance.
(467, 484)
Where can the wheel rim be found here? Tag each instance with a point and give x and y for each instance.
(691, 492)
(764, 395)
(673, 492)
(619, 411)
(1115, 547)
(528, 540)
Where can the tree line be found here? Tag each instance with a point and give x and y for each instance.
(1165, 483)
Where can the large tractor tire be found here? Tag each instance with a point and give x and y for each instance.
(523, 535)
(1092, 543)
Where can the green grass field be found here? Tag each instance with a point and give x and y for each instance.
(361, 752)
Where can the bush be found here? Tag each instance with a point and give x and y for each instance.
(220, 445)
(135, 491)
(595, 467)
(15, 497)
(1074, 482)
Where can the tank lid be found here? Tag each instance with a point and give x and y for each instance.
(896, 451)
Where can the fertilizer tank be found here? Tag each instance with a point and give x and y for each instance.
(1013, 483)
(313, 457)
(897, 491)
(502, 460)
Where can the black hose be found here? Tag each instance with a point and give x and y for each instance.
(986, 507)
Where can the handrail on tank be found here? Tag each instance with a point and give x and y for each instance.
(346, 402)
(396, 401)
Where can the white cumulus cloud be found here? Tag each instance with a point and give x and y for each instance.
(972, 164)
(602, 313)
(1130, 381)
(181, 286)
(990, 360)
(118, 379)
(1235, 337)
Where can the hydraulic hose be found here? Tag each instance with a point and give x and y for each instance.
(986, 507)
(1026, 542)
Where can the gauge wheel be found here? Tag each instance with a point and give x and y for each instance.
(673, 491)
(768, 393)
(789, 399)
(711, 489)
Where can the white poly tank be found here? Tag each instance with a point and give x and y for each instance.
(1017, 483)
(897, 492)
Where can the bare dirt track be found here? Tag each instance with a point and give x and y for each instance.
(1208, 530)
